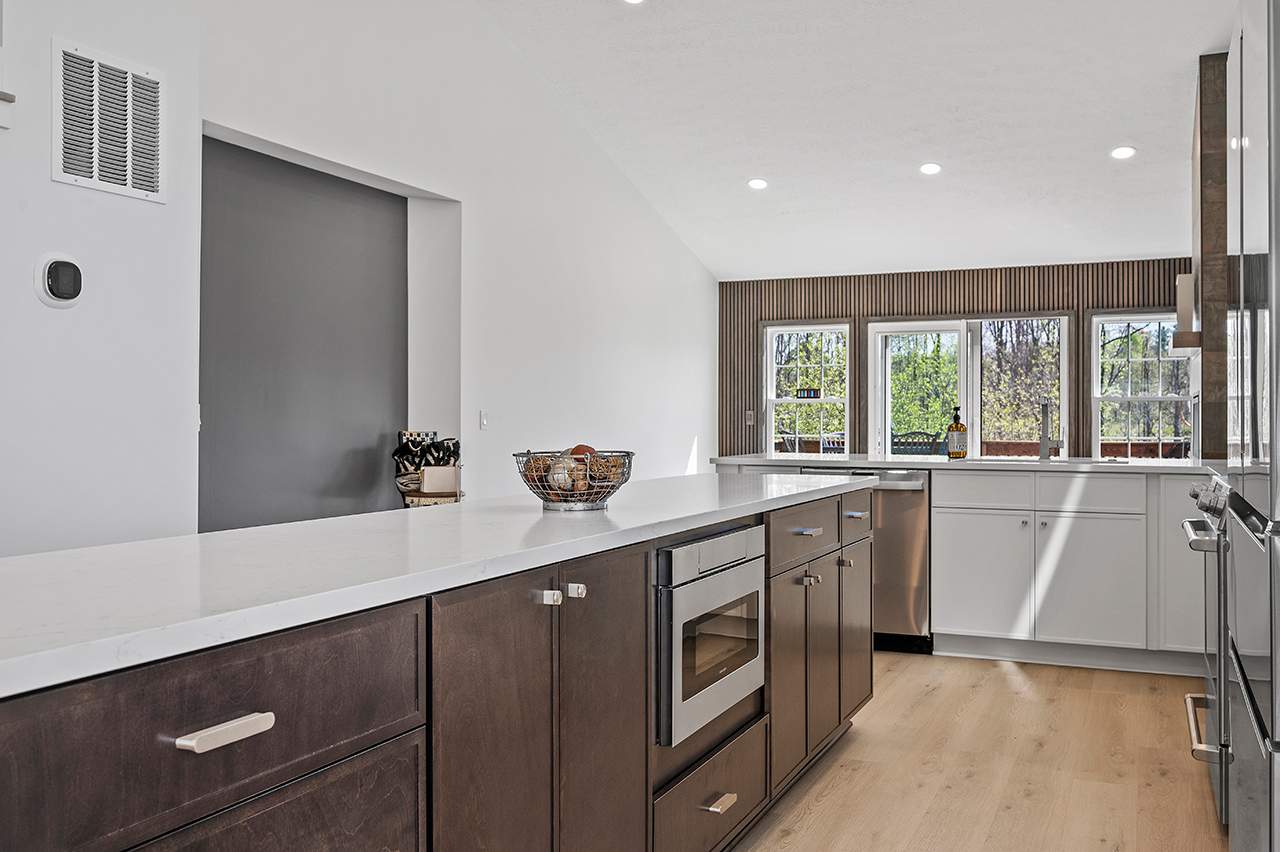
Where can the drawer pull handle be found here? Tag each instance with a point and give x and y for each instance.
(721, 804)
(217, 736)
(857, 516)
(812, 532)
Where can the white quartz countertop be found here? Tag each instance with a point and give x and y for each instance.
(862, 460)
(70, 614)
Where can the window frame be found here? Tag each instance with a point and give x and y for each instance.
(969, 369)
(1097, 320)
(769, 398)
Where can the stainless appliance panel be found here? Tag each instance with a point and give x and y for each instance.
(900, 536)
(711, 650)
(900, 531)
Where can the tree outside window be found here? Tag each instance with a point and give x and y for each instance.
(807, 393)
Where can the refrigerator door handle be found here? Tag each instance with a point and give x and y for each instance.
(1266, 745)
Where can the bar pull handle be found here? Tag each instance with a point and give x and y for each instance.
(812, 532)
(8, 98)
(808, 580)
(575, 590)
(857, 516)
(549, 597)
(720, 805)
(1202, 537)
(841, 562)
(226, 733)
(1199, 750)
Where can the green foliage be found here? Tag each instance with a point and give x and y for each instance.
(923, 386)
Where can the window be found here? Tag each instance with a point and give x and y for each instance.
(998, 371)
(1142, 390)
(807, 388)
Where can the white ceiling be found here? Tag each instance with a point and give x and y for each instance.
(838, 102)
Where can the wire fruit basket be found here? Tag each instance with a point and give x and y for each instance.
(574, 482)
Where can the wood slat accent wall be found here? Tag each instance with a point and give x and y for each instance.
(1074, 290)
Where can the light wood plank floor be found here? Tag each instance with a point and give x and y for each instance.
(956, 754)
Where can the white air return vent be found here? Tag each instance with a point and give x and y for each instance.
(107, 124)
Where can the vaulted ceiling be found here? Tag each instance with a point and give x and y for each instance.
(838, 102)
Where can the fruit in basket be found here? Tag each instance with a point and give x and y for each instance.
(581, 450)
(560, 473)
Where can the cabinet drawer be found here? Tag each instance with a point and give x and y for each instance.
(106, 750)
(1120, 493)
(376, 800)
(855, 516)
(801, 532)
(985, 490)
(731, 780)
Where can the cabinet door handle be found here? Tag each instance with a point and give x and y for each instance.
(817, 578)
(575, 590)
(226, 733)
(812, 532)
(1024, 522)
(721, 804)
(549, 597)
(842, 562)
(807, 580)
(857, 516)
(1044, 524)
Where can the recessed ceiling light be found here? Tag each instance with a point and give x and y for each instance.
(754, 183)
(930, 169)
(635, 2)
(1124, 152)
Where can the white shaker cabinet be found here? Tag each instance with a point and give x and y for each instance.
(1181, 569)
(983, 564)
(1250, 577)
(1091, 579)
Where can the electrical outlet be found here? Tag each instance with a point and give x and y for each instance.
(751, 417)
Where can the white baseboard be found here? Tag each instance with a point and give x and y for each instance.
(1079, 656)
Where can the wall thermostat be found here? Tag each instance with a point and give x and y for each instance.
(59, 281)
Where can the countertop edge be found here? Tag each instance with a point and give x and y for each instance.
(936, 464)
(92, 658)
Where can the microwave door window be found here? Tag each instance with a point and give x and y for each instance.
(719, 642)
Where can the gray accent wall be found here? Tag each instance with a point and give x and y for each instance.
(303, 342)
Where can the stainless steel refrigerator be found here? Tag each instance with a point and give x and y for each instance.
(1251, 570)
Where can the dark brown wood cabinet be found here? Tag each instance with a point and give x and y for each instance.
(492, 660)
(709, 803)
(539, 705)
(856, 636)
(788, 700)
(375, 800)
(97, 765)
(823, 657)
(603, 704)
(819, 655)
(800, 533)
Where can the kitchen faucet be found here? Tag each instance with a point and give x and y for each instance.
(1047, 445)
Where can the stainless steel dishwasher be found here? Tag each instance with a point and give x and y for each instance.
(900, 531)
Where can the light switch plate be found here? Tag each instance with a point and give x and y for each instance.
(484, 420)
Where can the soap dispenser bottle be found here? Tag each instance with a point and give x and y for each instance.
(957, 437)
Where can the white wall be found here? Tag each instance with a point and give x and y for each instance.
(98, 403)
(584, 318)
(435, 315)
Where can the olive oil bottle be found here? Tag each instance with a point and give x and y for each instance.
(957, 437)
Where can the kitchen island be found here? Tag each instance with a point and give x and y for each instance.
(467, 676)
(1071, 562)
